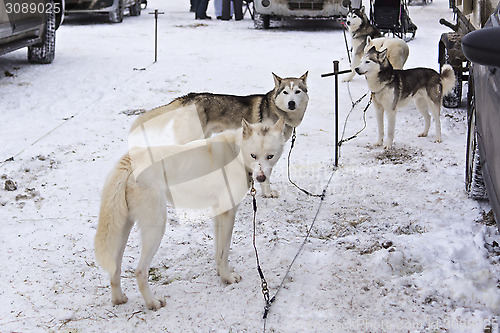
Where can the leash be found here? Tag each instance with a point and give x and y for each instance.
(265, 290)
(345, 40)
(342, 140)
(294, 136)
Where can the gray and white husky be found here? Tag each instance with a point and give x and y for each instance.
(218, 112)
(213, 173)
(199, 115)
(393, 89)
(364, 36)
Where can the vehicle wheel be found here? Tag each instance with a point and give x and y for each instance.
(135, 9)
(116, 16)
(453, 99)
(44, 53)
(261, 21)
(474, 183)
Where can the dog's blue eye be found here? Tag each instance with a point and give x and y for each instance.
(285, 92)
(297, 92)
(270, 157)
(253, 156)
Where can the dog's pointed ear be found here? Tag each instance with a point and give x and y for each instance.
(277, 80)
(247, 129)
(304, 77)
(279, 125)
(362, 9)
(382, 54)
(368, 40)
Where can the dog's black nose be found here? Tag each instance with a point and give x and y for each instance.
(357, 70)
(291, 105)
(261, 178)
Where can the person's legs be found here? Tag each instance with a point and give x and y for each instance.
(226, 9)
(238, 9)
(201, 10)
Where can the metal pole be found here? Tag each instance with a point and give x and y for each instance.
(336, 73)
(156, 35)
(156, 13)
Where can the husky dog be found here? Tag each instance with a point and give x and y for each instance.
(397, 49)
(364, 34)
(393, 89)
(216, 173)
(217, 112)
(205, 113)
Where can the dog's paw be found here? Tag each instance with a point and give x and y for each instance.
(422, 135)
(438, 140)
(379, 143)
(388, 146)
(122, 299)
(156, 304)
(119, 300)
(231, 278)
(271, 194)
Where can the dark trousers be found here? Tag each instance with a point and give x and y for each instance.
(200, 8)
(238, 9)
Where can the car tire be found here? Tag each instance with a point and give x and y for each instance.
(45, 53)
(116, 16)
(474, 182)
(261, 21)
(135, 9)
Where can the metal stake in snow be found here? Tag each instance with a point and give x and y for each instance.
(156, 13)
(336, 72)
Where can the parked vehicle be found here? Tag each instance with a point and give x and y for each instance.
(470, 15)
(114, 9)
(481, 47)
(267, 10)
(32, 24)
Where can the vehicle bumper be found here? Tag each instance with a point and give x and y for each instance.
(302, 8)
(103, 6)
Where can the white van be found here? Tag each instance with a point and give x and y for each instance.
(265, 10)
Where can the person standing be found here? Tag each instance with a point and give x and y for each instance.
(218, 9)
(226, 9)
(201, 9)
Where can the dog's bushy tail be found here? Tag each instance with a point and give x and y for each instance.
(113, 215)
(149, 115)
(447, 79)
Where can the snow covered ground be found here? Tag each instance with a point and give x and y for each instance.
(397, 246)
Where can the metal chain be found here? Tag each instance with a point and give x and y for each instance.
(265, 290)
(294, 136)
(264, 285)
(342, 140)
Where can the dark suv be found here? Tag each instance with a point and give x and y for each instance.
(482, 48)
(114, 9)
(30, 23)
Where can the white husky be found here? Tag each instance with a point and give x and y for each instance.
(215, 173)
(364, 36)
(397, 49)
(393, 89)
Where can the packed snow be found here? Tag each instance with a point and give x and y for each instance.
(397, 245)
